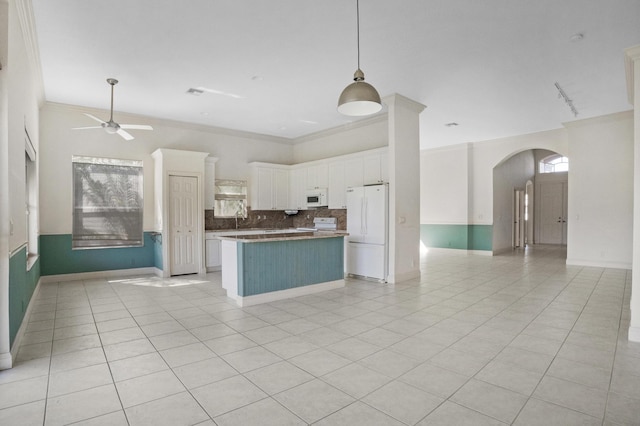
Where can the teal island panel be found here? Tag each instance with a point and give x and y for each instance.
(280, 265)
(463, 237)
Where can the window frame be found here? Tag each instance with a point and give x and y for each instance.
(118, 185)
(548, 161)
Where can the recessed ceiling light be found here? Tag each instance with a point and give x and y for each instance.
(452, 124)
(576, 37)
(308, 122)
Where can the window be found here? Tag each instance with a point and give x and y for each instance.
(554, 163)
(230, 198)
(107, 203)
(30, 197)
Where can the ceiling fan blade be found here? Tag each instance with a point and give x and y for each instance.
(84, 128)
(136, 127)
(126, 136)
(93, 117)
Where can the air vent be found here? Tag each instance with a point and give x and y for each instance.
(194, 92)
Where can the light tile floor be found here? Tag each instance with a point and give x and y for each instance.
(516, 339)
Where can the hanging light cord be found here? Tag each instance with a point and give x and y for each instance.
(358, 28)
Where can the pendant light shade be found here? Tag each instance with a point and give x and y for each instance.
(359, 98)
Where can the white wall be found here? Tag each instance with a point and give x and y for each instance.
(444, 185)
(484, 156)
(462, 175)
(508, 176)
(59, 142)
(22, 114)
(19, 83)
(361, 136)
(601, 191)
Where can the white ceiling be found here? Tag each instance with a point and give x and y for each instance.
(488, 65)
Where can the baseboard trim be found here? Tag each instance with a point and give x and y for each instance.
(273, 296)
(6, 360)
(460, 251)
(101, 274)
(598, 264)
(23, 326)
(405, 276)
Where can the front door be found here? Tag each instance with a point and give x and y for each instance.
(553, 201)
(183, 249)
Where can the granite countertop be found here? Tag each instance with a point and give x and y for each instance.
(283, 236)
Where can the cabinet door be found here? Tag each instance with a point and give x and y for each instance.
(372, 173)
(384, 167)
(263, 201)
(318, 176)
(337, 186)
(212, 253)
(209, 184)
(280, 189)
(297, 188)
(353, 172)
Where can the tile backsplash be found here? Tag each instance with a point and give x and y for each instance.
(274, 219)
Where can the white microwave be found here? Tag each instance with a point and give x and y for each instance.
(317, 197)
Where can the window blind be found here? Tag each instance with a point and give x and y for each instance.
(107, 203)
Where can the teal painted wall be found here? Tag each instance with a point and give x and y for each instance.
(58, 258)
(279, 265)
(22, 284)
(463, 237)
(156, 240)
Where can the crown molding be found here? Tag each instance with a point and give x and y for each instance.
(378, 118)
(28, 26)
(172, 123)
(397, 99)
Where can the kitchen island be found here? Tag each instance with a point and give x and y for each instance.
(267, 267)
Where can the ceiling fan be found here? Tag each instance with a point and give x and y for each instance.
(111, 126)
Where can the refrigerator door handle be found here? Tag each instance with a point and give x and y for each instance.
(362, 228)
(366, 206)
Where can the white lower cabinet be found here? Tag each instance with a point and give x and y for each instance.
(213, 259)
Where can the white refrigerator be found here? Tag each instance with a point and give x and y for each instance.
(367, 250)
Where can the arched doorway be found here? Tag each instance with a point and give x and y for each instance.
(530, 200)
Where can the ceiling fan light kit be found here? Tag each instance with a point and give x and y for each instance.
(111, 127)
(359, 98)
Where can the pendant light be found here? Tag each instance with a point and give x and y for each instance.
(359, 98)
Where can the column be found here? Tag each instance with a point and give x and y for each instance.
(632, 63)
(404, 187)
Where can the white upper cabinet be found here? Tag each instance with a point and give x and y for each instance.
(209, 182)
(337, 188)
(354, 172)
(282, 187)
(318, 176)
(269, 187)
(375, 168)
(297, 188)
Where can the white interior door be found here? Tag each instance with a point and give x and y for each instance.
(519, 229)
(553, 213)
(183, 199)
(517, 238)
